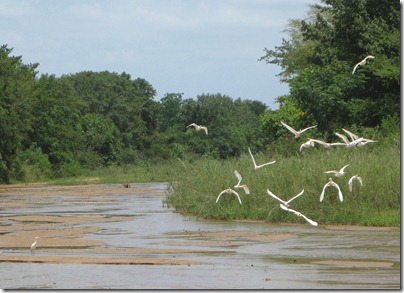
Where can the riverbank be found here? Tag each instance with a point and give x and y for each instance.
(85, 230)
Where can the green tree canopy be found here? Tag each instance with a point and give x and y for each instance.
(128, 103)
(17, 85)
(323, 49)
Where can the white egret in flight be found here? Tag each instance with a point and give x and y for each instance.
(351, 181)
(363, 62)
(229, 191)
(328, 145)
(314, 223)
(285, 203)
(198, 127)
(238, 185)
(297, 133)
(331, 183)
(255, 164)
(307, 144)
(339, 173)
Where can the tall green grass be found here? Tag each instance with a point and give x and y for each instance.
(376, 203)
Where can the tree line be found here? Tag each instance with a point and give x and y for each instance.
(57, 126)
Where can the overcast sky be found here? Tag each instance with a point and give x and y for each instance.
(178, 46)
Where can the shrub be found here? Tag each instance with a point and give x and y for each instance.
(35, 165)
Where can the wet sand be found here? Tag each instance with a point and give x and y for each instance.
(66, 231)
(77, 228)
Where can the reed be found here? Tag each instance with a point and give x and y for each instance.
(376, 203)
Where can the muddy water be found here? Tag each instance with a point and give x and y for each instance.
(110, 237)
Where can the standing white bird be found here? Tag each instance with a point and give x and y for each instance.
(33, 245)
(255, 164)
(229, 191)
(333, 184)
(244, 186)
(297, 133)
(198, 127)
(351, 181)
(314, 223)
(363, 62)
(339, 173)
(285, 203)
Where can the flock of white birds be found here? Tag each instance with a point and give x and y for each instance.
(355, 141)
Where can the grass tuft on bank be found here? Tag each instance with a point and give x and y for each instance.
(377, 203)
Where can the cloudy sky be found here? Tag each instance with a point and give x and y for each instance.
(178, 46)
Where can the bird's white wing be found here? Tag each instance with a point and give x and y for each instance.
(238, 176)
(205, 128)
(337, 143)
(269, 163)
(290, 200)
(306, 144)
(343, 137)
(277, 198)
(301, 131)
(353, 71)
(224, 191)
(360, 180)
(299, 214)
(313, 223)
(322, 193)
(244, 187)
(193, 125)
(333, 171)
(370, 56)
(289, 128)
(342, 169)
(350, 183)
(252, 157)
(352, 135)
(355, 142)
(339, 192)
(319, 141)
(236, 194)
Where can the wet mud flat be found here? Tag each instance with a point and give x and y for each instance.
(107, 236)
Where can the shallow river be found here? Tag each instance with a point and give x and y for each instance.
(232, 255)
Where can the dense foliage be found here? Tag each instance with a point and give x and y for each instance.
(319, 58)
(60, 126)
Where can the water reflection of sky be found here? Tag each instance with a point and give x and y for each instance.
(247, 264)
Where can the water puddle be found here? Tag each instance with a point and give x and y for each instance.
(111, 237)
